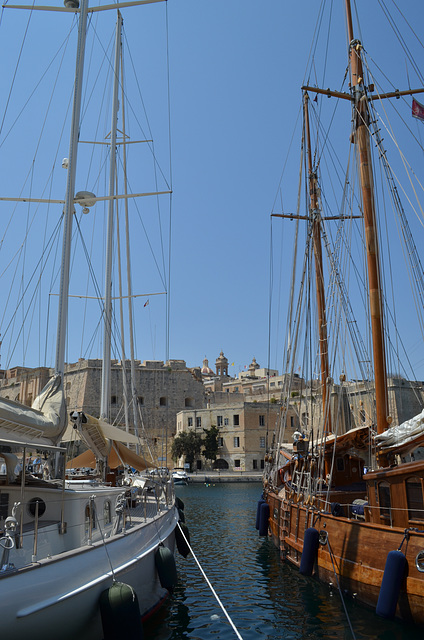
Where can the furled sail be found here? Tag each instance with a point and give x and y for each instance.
(42, 423)
(404, 436)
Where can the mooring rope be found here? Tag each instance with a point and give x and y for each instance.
(340, 591)
(210, 586)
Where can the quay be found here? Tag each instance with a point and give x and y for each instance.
(214, 477)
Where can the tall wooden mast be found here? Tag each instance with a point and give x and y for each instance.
(319, 275)
(362, 142)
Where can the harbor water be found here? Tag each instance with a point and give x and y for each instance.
(263, 597)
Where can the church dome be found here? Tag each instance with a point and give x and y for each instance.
(206, 370)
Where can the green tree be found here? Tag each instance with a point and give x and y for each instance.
(210, 443)
(187, 444)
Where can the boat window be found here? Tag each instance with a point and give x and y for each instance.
(4, 505)
(384, 499)
(90, 513)
(32, 507)
(340, 464)
(414, 495)
(107, 516)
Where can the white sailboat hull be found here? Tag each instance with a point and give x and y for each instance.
(58, 596)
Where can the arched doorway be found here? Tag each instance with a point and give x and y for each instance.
(220, 464)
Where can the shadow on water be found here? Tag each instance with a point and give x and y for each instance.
(265, 598)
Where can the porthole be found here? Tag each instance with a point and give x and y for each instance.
(32, 506)
(419, 561)
(323, 537)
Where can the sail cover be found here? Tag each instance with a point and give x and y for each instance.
(403, 436)
(42, 423)
(119, 456)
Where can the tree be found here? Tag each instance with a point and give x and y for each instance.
(210, 442)
(187, 444)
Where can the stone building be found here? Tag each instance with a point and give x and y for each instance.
(163, 389)
(244, 432)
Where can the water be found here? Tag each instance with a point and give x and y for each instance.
(264, 598)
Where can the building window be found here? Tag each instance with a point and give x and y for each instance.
(226, 422)
(262, 464)
(112, 400)
(291, 421)
(236, 420)
(255, 464)
(162, 401)
(236, 389)
(220, 442)
(198, 422)
(414, 495)
(261, 421)
(189, 402)
(272, 384)
(262, 442)
(236, 442)
(140, 400)
(190, 422)
(219, 421)
(237, 463)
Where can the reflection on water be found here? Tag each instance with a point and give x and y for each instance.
(264, 597)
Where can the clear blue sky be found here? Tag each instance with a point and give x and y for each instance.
(236, 68)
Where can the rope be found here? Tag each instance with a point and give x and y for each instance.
(340, 591)
(209, 585)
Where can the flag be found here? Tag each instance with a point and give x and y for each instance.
(316, 98)
(146, 303)
(417, 109)
(232, 364)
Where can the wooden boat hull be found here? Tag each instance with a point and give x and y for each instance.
(352, 552)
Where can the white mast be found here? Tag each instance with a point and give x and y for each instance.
(62, 321)
(105, 397)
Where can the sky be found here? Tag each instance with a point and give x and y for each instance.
(235, 72)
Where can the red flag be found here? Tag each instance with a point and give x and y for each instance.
(146, 303)
(417, 109)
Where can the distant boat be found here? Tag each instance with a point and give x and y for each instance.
(180, 477)
(67, 541)
(345, 500)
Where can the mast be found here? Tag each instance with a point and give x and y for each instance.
(129, 281)
(319, 275)
(362, 142)
(107, 338)
(62, 320)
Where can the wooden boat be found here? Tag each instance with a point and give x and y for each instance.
(83, 554)
(344, 501)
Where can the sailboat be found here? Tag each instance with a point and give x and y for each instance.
(343, 497)
(81, 556)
